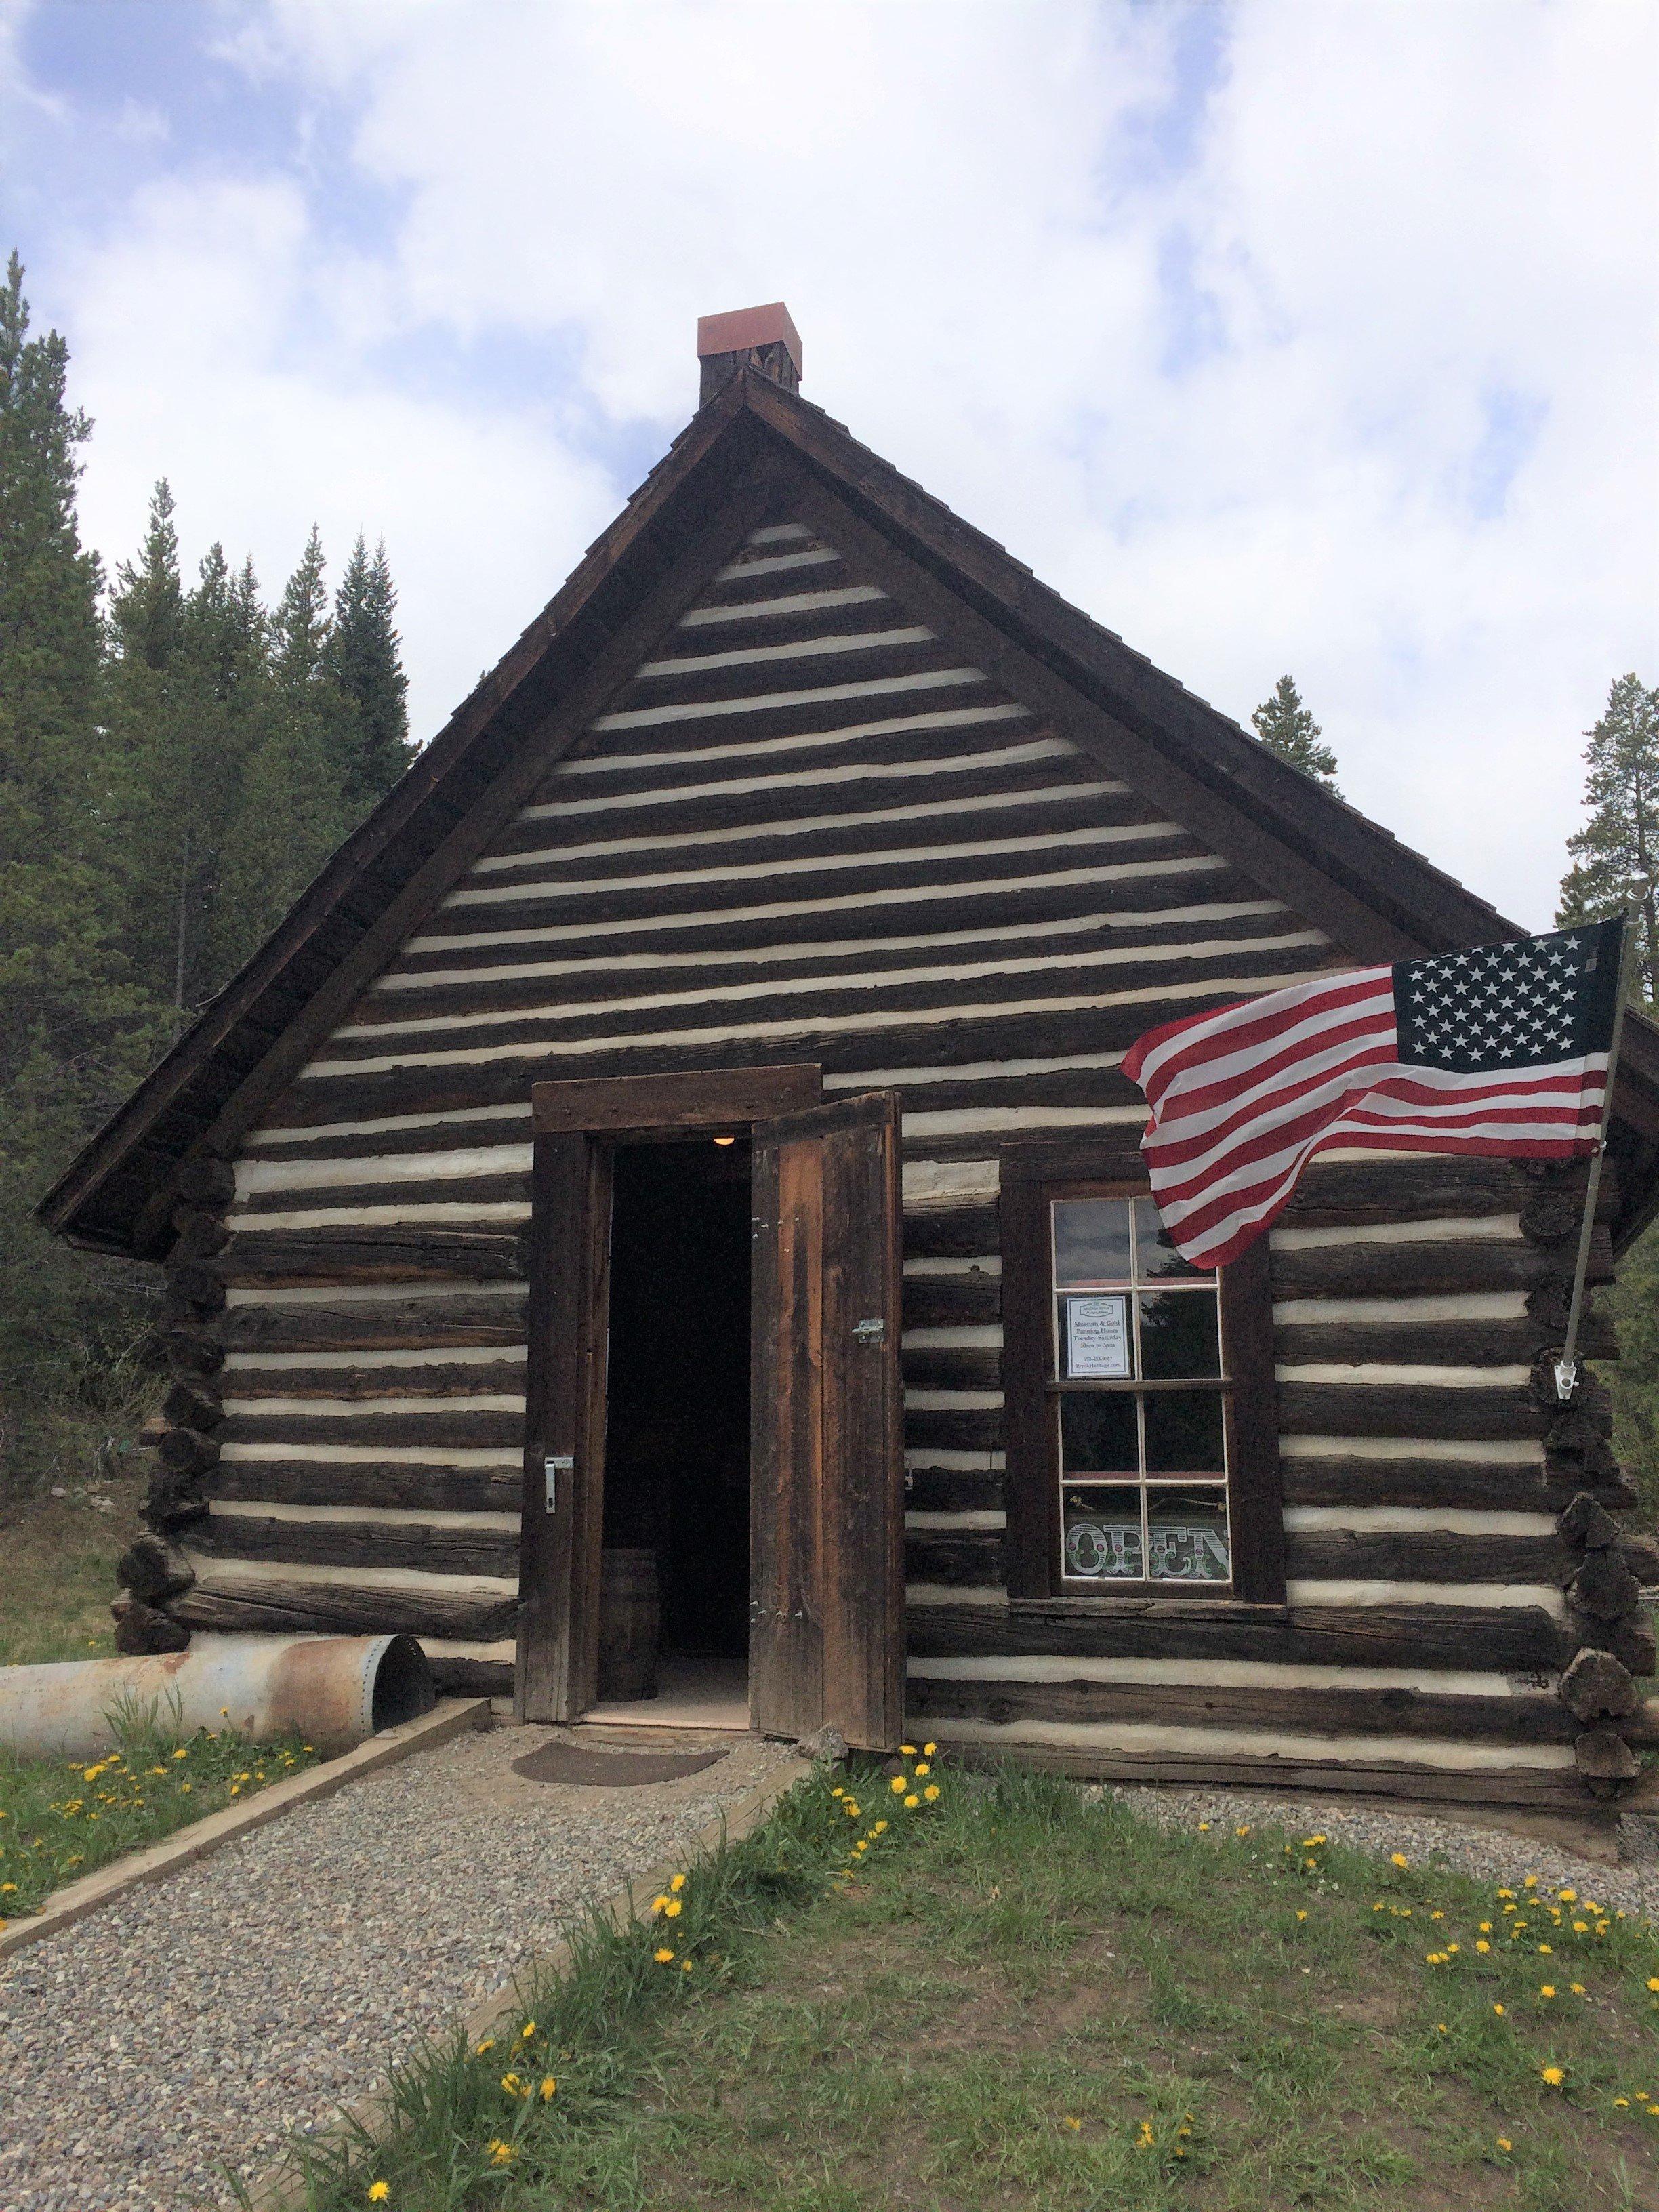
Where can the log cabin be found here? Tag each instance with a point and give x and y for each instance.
(686, 1119)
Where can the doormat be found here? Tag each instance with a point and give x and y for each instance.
(594, 1768)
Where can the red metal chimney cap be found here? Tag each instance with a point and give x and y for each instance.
(749, 327)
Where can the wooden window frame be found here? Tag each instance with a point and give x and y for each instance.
(1030, 1179)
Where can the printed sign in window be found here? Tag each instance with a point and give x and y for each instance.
(1097, 1338)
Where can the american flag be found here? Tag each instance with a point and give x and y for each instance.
(1502, 1050)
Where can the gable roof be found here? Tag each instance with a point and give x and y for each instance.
(749, 445)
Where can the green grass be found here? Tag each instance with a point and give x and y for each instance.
(1025, 1996)
(60, 1819)
(59, 1577)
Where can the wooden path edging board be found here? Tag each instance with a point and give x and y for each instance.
(453, 1716)
(280, 2189)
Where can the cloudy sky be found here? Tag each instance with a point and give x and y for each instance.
(1315, 335)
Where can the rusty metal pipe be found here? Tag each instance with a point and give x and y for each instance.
(335, 1691)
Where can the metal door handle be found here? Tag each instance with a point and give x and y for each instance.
(551, 1468)
(869, 1332)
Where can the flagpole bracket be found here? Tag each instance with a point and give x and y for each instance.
(1566, 1379)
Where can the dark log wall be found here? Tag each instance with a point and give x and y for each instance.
(806, 831)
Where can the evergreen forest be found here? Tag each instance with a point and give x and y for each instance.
(177, 758)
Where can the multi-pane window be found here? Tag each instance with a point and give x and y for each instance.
(1139, 1426)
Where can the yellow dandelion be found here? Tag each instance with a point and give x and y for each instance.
(1547, 1949)
(1485, 1928)
(1203, 1827)
(1075, 2125)
(512, 2084)
(912, 1801)
(1547, 1988)
(1653, 1982)
(1301, 1916)
(378, 2191)
(1577, 1988)
(898, 1785)
(549, 2086)
(1399, 1859)
(1552, 2077)
(685, 1966)
(838, 1791)
(526, 2030)
(500, 2153)
(1581, 1928)
(908, 1750)
(1243, 1830)
(931, 1792)
(1623, 2103)
(1440, 2027)
(928, 1749)
(672, 1910)
(1498, 2010)
(489, 2044)
(662, 1957)
(1531, 1882)
(677, 1884)
(1483, 1945)
(1503, 2143)
(879, 1829)
(659, 1903)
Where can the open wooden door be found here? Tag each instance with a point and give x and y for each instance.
(560, 1559)
(827, 1491)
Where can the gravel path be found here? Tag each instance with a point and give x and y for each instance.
(196, 2022)
(1488, 1854)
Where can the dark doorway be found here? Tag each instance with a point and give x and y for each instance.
(676, 1433)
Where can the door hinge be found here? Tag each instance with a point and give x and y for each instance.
(870, 1332)
(552, 1468)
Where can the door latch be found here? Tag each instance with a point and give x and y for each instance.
(870, 1332)
(552, 1468)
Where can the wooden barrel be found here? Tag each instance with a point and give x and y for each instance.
(629, 1621)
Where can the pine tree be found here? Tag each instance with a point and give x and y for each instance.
(365, 659)
(291, 810)
(185, 675)
(1615, 856)
(1286, 727)
(72, 1028)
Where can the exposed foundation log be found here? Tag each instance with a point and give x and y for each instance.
(276, 1602)
(1598, 1686)
(1508, 1639)
(1641, 1556)
(1630, 1639)
(171, 1501)
(1550, 1790)
(189, 1349)
(141, 1629)
(458, 1677)
(1551, 1216)
(1520, 1720)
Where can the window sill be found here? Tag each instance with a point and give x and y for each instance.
(1122, 1605)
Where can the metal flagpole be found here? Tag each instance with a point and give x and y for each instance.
(1566, 1367)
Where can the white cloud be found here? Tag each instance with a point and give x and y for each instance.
(1242, 364)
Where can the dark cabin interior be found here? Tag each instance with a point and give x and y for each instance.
(677, 1439)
